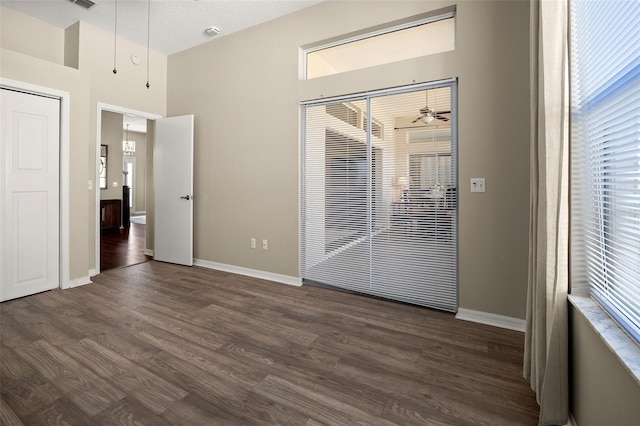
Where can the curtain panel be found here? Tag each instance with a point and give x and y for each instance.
(546, 339)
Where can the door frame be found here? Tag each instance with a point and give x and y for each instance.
(119, 110)
(63, 166)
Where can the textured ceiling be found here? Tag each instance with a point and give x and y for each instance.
(175, 24)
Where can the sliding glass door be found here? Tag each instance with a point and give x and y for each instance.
(379, 194)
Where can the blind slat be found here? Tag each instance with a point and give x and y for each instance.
(605, 183)
(379, 213)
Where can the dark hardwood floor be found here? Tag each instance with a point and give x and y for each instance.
(160, 344)
(124, 247)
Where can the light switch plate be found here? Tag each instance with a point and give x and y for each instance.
(115, 184)
(477, 185)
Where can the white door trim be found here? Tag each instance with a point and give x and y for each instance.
(120, 110)
(65, 99)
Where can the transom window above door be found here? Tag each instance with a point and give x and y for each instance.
(396, 41)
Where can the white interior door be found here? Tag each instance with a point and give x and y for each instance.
(29, 192)
(173, 183)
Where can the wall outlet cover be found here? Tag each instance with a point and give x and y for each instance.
(477, 185)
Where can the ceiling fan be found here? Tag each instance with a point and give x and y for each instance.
(427, 115)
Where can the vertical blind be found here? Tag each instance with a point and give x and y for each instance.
(379, 212)
(605, 96)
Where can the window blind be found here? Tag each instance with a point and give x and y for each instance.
(605, 145)
(379, 214)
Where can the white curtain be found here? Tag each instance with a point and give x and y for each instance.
(546, 340)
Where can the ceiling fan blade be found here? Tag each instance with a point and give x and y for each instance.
(417, 119)
(439, 116)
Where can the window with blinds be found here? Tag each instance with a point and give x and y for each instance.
(379, 214)
(605, 144)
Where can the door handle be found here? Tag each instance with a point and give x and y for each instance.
(185, 197)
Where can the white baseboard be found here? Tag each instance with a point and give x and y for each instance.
(269, 276)
(92, 272)
(487, 318)
(77, 282)
(148, 252)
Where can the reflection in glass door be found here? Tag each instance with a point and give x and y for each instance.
(379, 194)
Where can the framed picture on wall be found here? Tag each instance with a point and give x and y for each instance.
(103, 166)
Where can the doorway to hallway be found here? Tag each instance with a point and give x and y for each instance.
(123, 247)
(122, 200)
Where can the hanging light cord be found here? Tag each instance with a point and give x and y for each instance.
(148, 26)
(115, 39)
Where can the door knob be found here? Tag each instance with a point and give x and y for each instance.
(185, 197)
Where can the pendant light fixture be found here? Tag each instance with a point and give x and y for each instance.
(115, 39)
(426, 114)
(128, 146)
(148, 31)
(427, 118)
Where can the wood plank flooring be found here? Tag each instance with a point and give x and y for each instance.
(161, 344)
(124, 247)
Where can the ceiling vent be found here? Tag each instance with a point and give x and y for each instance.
(87, 4)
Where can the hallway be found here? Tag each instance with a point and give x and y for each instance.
(123, 248)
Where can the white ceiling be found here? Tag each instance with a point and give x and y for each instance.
(175, 24)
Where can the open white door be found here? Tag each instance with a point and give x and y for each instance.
(29, 192)
(173, 182)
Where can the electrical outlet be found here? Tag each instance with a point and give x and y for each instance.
(477, 185)
(253, 243)
(90, 185)
(264, 245)
(115, 184)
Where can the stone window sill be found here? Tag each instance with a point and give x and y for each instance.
(619, 342)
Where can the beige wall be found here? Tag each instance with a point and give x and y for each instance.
(126, 89)
(28, 69)
(31, 36)
(603, 392)
(71, 44)
(111, 135)
(43, 48)
(244, 91)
